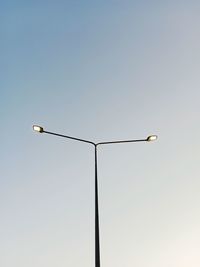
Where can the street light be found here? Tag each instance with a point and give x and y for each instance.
(148, 139)
(152, 138)
(37, 128)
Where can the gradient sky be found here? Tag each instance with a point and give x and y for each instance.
(100, 70)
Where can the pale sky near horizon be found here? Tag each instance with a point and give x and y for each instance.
(100, 71)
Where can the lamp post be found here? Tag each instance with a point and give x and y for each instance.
(148, 139)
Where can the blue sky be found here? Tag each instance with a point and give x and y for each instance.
(100, 71)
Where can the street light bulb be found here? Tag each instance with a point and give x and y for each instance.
(38, 129)
(152, 138)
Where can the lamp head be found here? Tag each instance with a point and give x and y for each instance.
(38, 129)
(152, 138)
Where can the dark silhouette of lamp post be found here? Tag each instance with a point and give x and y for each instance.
(97, 241)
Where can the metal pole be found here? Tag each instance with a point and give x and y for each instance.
(97, 242)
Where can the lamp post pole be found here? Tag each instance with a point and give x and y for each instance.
(97, 239)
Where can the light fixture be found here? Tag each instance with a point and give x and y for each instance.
(152, 138)
(38, 129)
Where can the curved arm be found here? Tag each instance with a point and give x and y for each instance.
(121, 141)
(70, 137)
(40, 129)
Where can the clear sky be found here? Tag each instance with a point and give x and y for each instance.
(100, 70)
